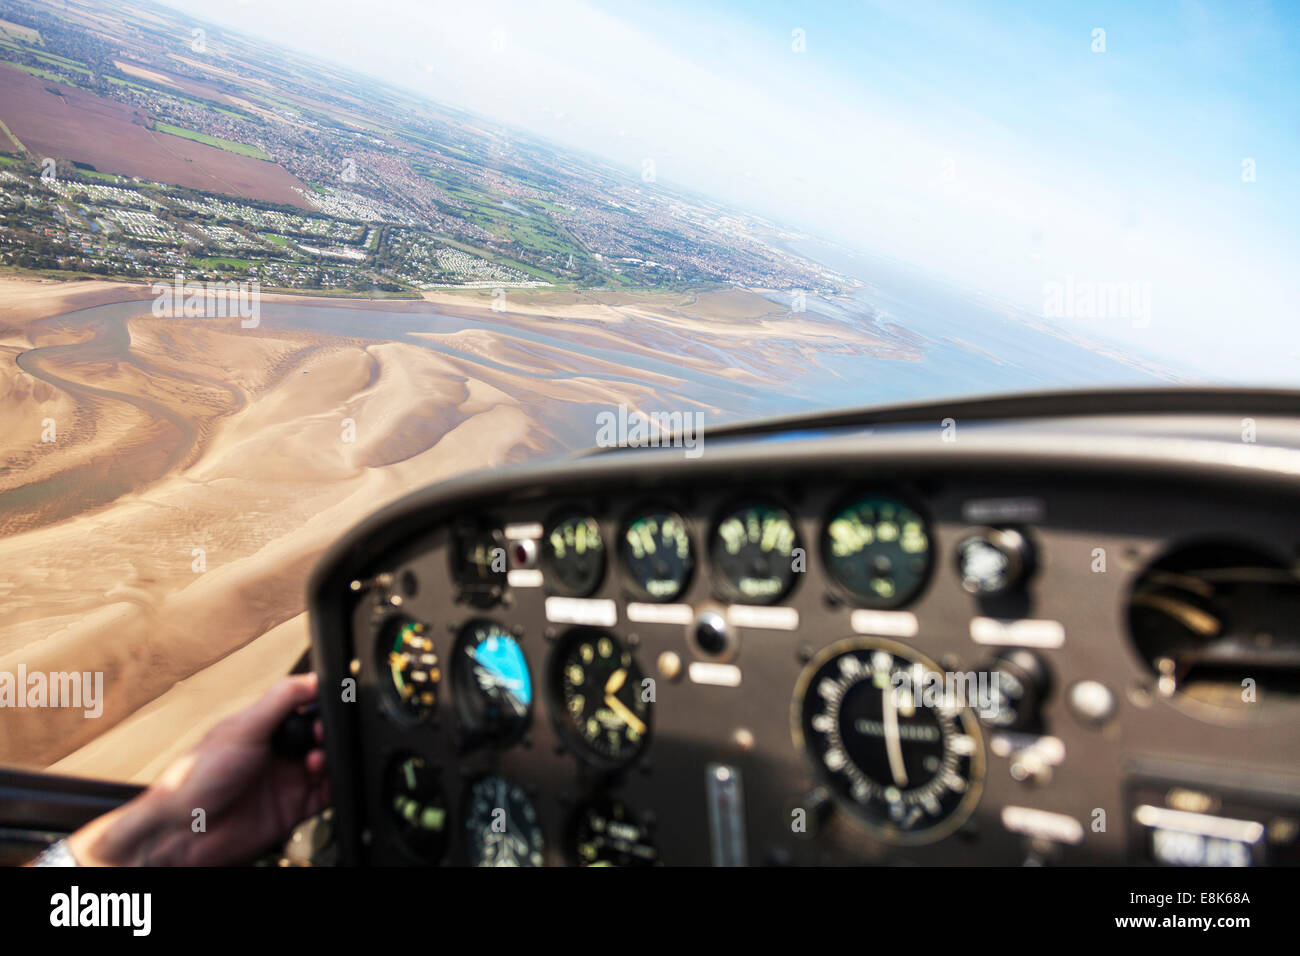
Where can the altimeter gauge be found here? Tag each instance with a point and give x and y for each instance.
(603, 706)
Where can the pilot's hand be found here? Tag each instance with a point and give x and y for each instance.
(250, 797)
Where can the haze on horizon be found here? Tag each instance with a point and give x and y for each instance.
(996, 146)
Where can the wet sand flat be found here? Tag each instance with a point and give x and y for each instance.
(200, 469)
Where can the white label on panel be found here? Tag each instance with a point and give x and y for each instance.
(995, 510)
(660, 613)
(593, 612)
(719, 675)
(1040, 823)
(769, 618)
(884, 623)
(521, 532)
(524, 578)
(1024, 632)
(1184, 821)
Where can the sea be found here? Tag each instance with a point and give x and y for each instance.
(942, 342)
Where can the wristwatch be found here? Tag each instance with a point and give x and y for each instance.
(56, 854)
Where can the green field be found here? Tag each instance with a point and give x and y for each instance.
(219, 262)
(11, 137)
(528, 224)
(48, 59)
(37, 71)
(155, 89)
(25, 34)
(229, 146)
(102, 176)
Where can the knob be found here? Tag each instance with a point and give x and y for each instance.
(1030, 768)
(994, 561)
(712, 635)
(296, 734)
(1022, 682)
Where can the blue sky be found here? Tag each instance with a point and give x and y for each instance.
(986, 142)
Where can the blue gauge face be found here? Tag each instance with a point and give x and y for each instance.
(494, 690)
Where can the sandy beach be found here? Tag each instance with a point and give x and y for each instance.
(198, 470)
(183, 591)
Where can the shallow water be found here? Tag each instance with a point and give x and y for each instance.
(916, 317)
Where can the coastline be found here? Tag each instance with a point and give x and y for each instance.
(268, 484)
(198, 469)
(232, 469)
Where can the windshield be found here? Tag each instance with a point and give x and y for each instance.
(269, 266)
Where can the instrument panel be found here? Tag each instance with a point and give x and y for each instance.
(800, 654)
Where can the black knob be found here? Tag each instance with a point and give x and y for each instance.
(296, 734)
(1022, 684)
(994, 561)
(712, 635)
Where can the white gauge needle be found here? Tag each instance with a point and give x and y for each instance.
(893, 746)
(629, 718)
(487, 680)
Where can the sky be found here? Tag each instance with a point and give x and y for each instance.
(1013, 147)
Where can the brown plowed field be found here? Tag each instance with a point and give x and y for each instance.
(52, 119)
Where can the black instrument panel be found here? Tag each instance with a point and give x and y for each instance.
(792, 658)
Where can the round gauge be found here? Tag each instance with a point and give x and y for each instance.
(574, 555)
(494, 690)
(479, 564)
(888, 737)
(753, 554)
(408, 659)
(657, 553)
(501, 825)
(600, 702)
(605, 833)
(419, 812)
(878, 550)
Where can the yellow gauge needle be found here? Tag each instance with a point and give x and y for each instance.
(629, 718)
(1188, 615)
(615, 681)
(893, 745)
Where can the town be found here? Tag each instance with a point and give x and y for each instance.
(164, 162)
